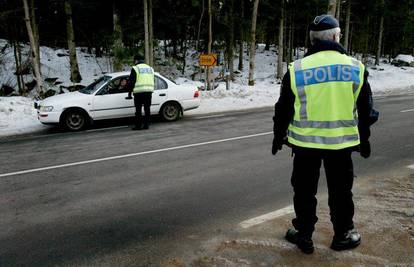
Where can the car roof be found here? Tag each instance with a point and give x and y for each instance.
(123, 73)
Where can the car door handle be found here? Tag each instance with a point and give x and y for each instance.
(162, 94)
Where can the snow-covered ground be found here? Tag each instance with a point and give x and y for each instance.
(54, 64)
(17, 114)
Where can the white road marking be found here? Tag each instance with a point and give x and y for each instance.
(133, 154)
(411, 166)
(267, 217)
(407, 110)
(209, 117)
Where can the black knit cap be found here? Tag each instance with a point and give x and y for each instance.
(323, 22)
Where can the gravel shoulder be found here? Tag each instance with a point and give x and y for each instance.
(384, 215)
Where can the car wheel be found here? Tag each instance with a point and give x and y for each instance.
(171, 111)
(75, 120)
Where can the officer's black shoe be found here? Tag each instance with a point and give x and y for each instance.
(146, 127)
(348, 240)
(136, 128)
(305, 244)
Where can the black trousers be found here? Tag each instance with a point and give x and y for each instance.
(142, 99)
(340, 177)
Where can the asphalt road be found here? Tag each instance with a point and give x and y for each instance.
(122, 197)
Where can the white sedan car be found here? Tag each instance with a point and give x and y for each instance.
(106, 99)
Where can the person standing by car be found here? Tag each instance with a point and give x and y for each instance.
(141, 83)
(325, 110)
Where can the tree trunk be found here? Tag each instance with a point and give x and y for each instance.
(118, 43)
(230, 46)
(338, 10)
(381, 32)
(35, 28)
(146, 40)
(332, 8)
(184, 48)
(290, 39)
(74, 68)
(34, 54)
(241, 47)
(210, 41)
(347, 22)
(200, 21)
(366, 43)
(279, 73)
(150, 34)
(17, 61)
(253, 43)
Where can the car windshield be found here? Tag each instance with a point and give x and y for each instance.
(90, 89)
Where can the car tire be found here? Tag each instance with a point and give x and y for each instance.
(74, 120)
(170, 111)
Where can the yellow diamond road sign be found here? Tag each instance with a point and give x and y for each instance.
(208, 60)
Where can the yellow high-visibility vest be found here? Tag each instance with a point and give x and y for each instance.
(145, 78)
(326, 86)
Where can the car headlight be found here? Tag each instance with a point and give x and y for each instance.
(46, 108)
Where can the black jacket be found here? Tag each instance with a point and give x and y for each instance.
(131, 81)
(284, 108)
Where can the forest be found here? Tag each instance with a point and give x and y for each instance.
(120, 29)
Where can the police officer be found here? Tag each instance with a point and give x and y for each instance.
(325, 110)
(141, 83)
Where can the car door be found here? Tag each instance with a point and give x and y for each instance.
(109, 102)
(160, 94)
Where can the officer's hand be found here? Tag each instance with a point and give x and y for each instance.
(365, 149)
(277, 145)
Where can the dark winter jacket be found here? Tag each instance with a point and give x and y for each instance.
(131, 81)
(284, 108)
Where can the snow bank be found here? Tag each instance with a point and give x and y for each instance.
(55, 64)
(387, 79)
(405, 58)
(18, 116)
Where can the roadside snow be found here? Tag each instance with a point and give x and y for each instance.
(17, 116)
(387, 79)
(405, 58)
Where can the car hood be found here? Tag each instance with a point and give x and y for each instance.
(62, 99)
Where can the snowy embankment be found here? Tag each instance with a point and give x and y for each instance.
(17, 115)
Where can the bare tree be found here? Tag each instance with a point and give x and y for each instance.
(199, 24)
(146, 41)
(338, 10)
(74, 67)
(118, 43)
(381, 33)
(253, 43)
(241, 46)
(347, 22)
(210, 41)
(150, 34)
(33, 45)
(279, 73)
(332, 8)
(18, 62)
(35, 28)
(230, 39)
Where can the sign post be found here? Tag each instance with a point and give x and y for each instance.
(208, 61)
